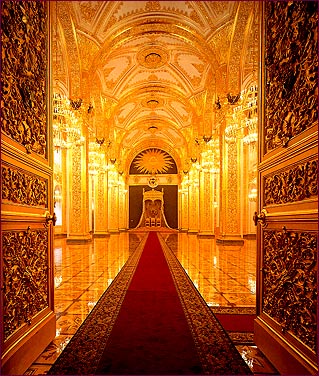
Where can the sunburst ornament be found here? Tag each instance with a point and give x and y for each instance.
(153, 161)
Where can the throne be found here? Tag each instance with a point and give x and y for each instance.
(153, 209)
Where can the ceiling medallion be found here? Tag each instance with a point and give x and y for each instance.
(152, 128)
(152, 102)
(152, 57)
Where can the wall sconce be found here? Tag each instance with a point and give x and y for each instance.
(193, 159)
(100, 141)
(207, 138)
(112, 160)
(233, 99)
(76, 103)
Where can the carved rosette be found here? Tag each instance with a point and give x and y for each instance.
(25, 277)
(21, 187)
(290, 282)
(291, 59)
(152, 57)
(295, 184)
(23, 73)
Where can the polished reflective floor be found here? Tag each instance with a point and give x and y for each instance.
(224, 274)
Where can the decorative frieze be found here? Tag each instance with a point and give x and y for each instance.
(291, 58)
(295, 184)
(21, 187)
(25, 274)
(290, 282)
(23, 73)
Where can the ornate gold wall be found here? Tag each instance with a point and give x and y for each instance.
(28, 323)
(291, 67)
(23, 75)
(288, 171)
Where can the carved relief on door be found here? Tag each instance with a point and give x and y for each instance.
(28, 323)
(288, 176)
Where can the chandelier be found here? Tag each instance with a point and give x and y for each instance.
(209, 162)
(96, 158)
(231, 132)
(251, 131)
(244, 117)
(67, 123)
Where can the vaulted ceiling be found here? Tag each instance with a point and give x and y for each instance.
(153, 70)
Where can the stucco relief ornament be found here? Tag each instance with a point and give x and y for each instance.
(153, 182)
(152, 57)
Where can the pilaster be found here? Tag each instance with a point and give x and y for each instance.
(193, 214)
(206, 204)
(100, 205)
(78, 224)
(113, 200)
(183, 194)
(123, 205)
(231, 191)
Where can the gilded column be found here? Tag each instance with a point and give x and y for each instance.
(184, 206)
(64, 174)
(180, 208)
(206, 203)
(231, 202)
(123, 206)
(78, 210)
(100, 205)
(113, 200)
(193, 214)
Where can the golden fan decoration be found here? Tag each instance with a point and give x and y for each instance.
(153, 161)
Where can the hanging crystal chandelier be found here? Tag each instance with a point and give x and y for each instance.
(244, 118)
(67, 130)
(96, 158)
(231, 133)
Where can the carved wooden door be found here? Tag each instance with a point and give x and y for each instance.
(28, 323)
(286, 324)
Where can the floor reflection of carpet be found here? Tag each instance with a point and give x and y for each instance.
(238, 322)
(151, 320)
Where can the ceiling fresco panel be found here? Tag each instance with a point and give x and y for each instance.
(153, 70)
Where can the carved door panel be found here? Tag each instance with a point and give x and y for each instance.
(286, 324)
(28, 323)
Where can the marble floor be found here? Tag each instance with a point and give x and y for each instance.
(224, 274)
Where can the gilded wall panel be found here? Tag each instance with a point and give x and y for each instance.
(207, 209)
(71, 46)
(232, 189)
(22, 187)
(76, 186)
(245, 8)
(291, 59)
(290, 282)
(25, 277)
(23, 73)
(295, 184)
(101, 202)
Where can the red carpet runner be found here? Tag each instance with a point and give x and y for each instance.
(151, 334)
(158, 325)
